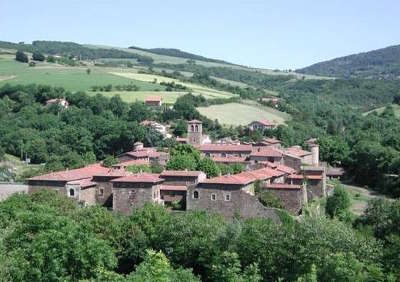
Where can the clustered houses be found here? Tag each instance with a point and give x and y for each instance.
(291, 174)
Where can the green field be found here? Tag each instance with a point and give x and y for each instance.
(242, 114)
(208, 93)
(380, 110)
(132, 96)
(71, 78)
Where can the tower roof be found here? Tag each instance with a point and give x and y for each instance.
(195, 121)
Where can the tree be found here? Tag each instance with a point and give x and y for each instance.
(138, 168)
(270, 200)
(2, 153)
(180, 128)
(156, 267)
(339, 203)
(209, 167)
(88, 71)
(36, 56)
(156, 167)
(21, 57)
(110, 160)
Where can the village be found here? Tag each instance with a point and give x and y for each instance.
(293, 175)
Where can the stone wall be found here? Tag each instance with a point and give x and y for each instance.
(104, 193)
(127, 196)
(240, 202)
(292, 199)
(8, 189)
(292, 161)
(88, 196)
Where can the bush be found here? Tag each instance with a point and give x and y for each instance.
(270, 200)
(21, 57)
(109, 161)
(38, 56)
(339, 203)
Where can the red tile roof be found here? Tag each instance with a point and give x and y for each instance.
(225, 148)
(140, 178)
(300, 176)
(73, 174)
(266, 122)
(238, 179)
(132, 162)
(271, 140)
(144, 153)
(181, 173)
(282, 186)
(153, 99)
(297, 152)
(245, 177)
(113, 173)
(83, 183)
(266, 152)
(230, 159)
(173, 188)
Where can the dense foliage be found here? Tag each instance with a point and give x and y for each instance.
(381, 63)
(90, 128)
(71, 49)
(46, 237)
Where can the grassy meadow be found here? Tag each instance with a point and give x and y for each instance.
(380, 110)
(242, 114)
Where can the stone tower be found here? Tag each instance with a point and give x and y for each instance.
(195, 132)
(314, 148)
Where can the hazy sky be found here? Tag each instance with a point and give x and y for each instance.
(271, 34)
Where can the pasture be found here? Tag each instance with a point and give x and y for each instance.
(208, 93)
(396, 109)
(71, 78)
(133, 96)
(242, 114)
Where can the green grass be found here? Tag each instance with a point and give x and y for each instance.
(208, 93)
(132, 96)
(71, 78)
(380, 110)
(242, 114)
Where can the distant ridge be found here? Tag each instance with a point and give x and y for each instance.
(381, 63)
(179, 53)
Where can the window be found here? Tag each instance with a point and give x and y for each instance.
(197, 128)
(195, 194)
(192, 128)
(101, 191)
(213, 197)
(71, 192)
(227, 196)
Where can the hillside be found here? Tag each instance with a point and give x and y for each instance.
(178, 53)
(382, 63)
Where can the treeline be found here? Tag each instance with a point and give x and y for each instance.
(178, 53)
(47, 236)
(71, 49)
(382, 63)
(90, 128)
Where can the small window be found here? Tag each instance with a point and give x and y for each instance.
(227, 196)
(101, 191)
(197, 128)
(195, 194)
(71, 192)
(213, 197)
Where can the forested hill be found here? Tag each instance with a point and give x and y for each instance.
(381, 63)
(179, 53)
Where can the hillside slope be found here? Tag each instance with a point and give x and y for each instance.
(381, 63)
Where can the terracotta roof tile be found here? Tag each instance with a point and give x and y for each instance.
(230, 159)
(173, 188)
(153, 99)
(73, 174)
(225, 148)
(266, 152)
(181, 173)
(83, 183)
(282, 186)
(140, 178)
(297, 152)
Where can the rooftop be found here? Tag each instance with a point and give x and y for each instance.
(173, 188)
(140, 178)
(282, 186)
(297, 152)
(194, 121)
(153, 99)
(73, 174)
(266, 152)
(265, 122)
(226, 148)
(83, 183)
(181, 173)
(230, 159)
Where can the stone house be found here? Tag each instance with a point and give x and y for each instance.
(293, 197)
(133, 191)
(266, 154)
(143, 153)
(225, 150)
(153, 101)
(230, 195)
(261, 125)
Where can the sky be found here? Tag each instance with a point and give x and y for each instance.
(270, 34)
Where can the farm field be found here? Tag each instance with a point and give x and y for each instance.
(380, 110)
(208, 93)
(133, 96)
(71, 78)
(242, 114)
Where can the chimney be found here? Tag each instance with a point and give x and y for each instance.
(138, 146)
